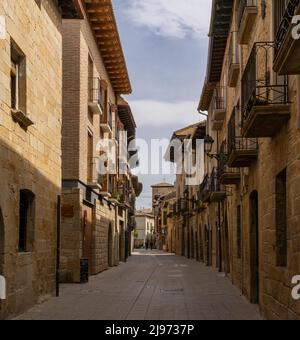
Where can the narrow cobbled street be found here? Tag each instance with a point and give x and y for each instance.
(150, 286)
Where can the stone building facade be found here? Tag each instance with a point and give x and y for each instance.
(145, 224)
(185, 235)
(30, 147)
(250, 221)
(97, 209)
(159, 190)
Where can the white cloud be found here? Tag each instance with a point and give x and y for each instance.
(151, 113)
(171, 18)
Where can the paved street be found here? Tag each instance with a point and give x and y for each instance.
(150, 286)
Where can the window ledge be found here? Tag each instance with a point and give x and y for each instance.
(22, 119)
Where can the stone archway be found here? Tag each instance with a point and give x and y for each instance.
(254, 248)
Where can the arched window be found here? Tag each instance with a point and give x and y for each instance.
(26, 220)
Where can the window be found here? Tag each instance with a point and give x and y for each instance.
(239, 232)
(281, 219)
(26, 221)
(103, 96)
(18, 79)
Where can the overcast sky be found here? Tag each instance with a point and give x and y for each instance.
(165, 44)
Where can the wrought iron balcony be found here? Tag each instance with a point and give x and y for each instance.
(107, 185)
(94, 180)
(228, 176)
(95, 96)
(218, 190)
(205, 187)
(247, 13)
(242, 152)
(265, 102)
(287, 49)
(219, 103)
(106, 121)
(233, 61)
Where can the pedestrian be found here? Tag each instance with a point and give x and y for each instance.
(147, 245)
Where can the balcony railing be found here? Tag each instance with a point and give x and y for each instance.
(217, 189)
(107, 185)
(227, 175)
(283, 20)
(233, 60)
(247, 12)
(107, 119)
(96, 100)
(93, 178)
(205, 189)
(265, 102)
(219, 103)
(219, 99)
(287, 49)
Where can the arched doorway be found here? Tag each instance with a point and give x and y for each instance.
(254, 248)
(1, 243)
(110, 246)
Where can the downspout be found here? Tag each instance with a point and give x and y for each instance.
(219, 221)
(58, 231)
(242, 243)
(298, 92)
(117, 246)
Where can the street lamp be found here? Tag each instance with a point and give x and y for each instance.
(208, 145)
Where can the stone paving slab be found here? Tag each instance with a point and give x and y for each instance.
(150, 286)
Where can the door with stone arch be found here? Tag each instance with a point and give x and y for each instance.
(254, 248)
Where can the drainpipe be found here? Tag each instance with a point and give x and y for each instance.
(298, 93)
(58, 229)
(242, 242)
(219, 222)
